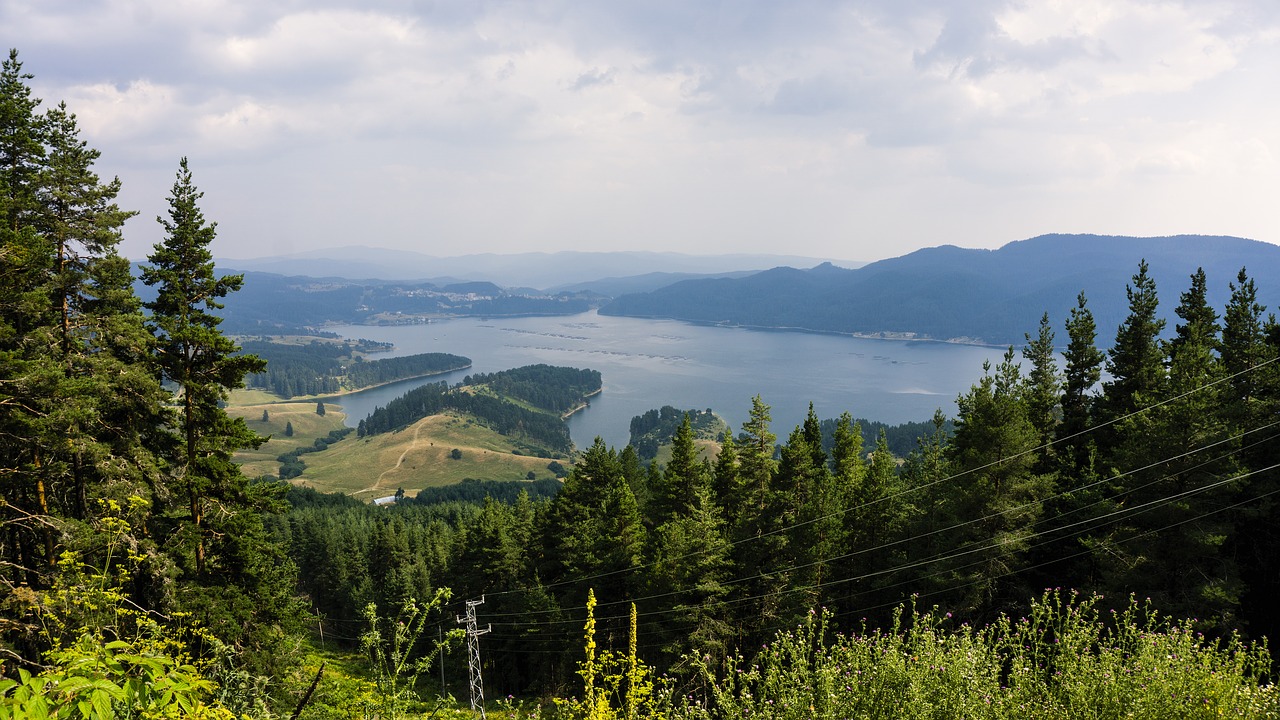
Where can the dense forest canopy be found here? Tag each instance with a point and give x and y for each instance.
(288, 305)
(144, 575)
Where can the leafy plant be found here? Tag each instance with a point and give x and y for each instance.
(1066, 658)
(390, 643)
(107, 659)
(615, 686)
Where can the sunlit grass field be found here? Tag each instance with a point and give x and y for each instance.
(415, 457)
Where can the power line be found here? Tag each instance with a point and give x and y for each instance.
(897, 495)
(951, 588)
(956, 526)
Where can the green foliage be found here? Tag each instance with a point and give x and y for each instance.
(107, 659)
(546, 387)
(328, 367)
(291, 463)
(1069, 657)
(658, 427)
(391, 646)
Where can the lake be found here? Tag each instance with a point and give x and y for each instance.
(647, 363)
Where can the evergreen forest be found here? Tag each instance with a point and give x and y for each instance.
(320, 368)
(1095, 533)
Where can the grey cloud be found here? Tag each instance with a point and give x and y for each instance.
(595, 76)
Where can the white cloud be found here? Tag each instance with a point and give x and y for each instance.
(674, 125)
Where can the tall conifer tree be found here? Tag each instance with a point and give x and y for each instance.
(1136, 361)
(193, 354)
(1083, 371)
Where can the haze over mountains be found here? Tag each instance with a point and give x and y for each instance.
(539, 270)
(980, 295)
(942, 293)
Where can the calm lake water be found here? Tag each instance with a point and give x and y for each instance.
(650, 363)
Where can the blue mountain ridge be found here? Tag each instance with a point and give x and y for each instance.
(975, 295)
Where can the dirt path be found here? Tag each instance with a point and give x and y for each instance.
(417, 427)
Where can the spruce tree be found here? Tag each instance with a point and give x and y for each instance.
(685, 475)
(1136, 361)
(691, 564)
(1243, 348)
(1083, 371)
(997, 491)
(1043, 390)
(193, 354)
(1174, 551)
(760, 553)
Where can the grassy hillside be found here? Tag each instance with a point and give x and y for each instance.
(413, 458)
(419, 456)
(307, 426)
(707, 450)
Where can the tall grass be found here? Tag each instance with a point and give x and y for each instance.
(1069, 658)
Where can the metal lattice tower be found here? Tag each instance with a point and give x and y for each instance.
(473, 654)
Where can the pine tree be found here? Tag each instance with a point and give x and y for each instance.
(1083, 371)
(22, 149)
(726, 485)
(78, 411)
(925, 485)
(996, 490)
(79, 214)
(1243, 348)
(288, 429)
(592, 527)
(1136, 361)
(198, 358)
(801, 506)
(1174, 551)
(691, 564)
(762, 560)
(683, 478)
(1043, 390)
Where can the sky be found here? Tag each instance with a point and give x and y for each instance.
(844, 130)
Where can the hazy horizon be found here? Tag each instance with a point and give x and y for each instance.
(854, 130)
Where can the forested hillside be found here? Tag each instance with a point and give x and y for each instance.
(320, 367)
(949, 292)
(280, 304)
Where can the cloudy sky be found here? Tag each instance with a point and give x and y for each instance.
(851, 130)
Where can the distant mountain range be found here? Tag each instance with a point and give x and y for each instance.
(537, 270)
(948, 292)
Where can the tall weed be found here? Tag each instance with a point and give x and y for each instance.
(1067, 658)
